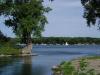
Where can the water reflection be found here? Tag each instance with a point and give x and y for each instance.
(4, 61)
(26, 66)
(12, 66)
(20, 66)
(5, 65)
(31, 69)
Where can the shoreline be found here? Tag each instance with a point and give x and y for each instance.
(20, 55)
(93, 63)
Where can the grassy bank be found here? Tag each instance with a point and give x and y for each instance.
(8, 48)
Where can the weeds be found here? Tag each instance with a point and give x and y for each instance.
(67, 68)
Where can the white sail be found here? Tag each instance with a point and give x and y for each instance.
(66, 43)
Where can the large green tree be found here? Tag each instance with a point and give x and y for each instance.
(26, 17)
(91, 11)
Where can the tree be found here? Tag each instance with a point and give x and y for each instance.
(92, 11)
(2, 36)
(26, 17)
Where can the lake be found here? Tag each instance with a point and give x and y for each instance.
(48, 56)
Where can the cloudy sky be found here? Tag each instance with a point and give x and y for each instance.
(65, 20)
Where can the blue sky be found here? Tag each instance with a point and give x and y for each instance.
(65, 20)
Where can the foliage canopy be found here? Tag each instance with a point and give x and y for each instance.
(26, 17)
(92, 11)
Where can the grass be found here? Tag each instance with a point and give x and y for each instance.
(8, 49)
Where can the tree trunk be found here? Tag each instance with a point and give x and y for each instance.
(28, 41)
(27, 49)
(27, 66)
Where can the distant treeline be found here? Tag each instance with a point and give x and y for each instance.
(63, 40)
(56, 40)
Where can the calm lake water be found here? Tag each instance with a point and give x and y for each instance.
(48, 56)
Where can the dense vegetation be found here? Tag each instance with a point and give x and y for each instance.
(7, 46)
(26, 17)
(63, 40)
